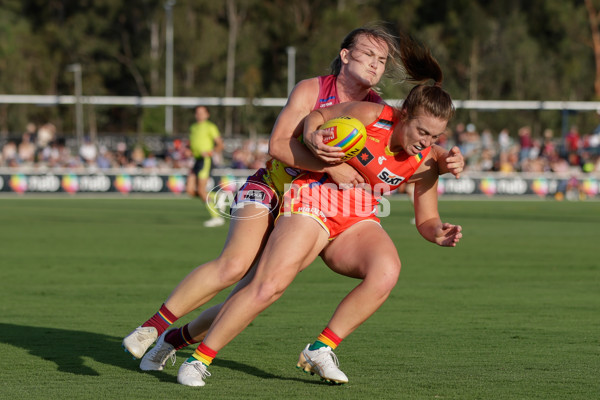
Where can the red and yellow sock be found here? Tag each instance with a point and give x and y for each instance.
(204, 354)
(326, 338)
(161, 320)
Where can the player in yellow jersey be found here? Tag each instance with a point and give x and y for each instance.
(205, 141)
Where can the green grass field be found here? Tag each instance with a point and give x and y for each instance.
(512, 313)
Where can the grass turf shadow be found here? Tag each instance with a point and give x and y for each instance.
(69, 348)
(251, 370)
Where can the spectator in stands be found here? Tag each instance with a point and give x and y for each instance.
(121, 155)
(548, 146)
(45, 135)
(9, 154)
(572, 144)
(176, 154)
(505, 142)
(105, 158)
(470, 146)
(150, 162)
(525, 142)
(486, 161)
(487, 140)
(137, 155)
(241, 159)
(88, 153)
(457, 133)
(26, 150)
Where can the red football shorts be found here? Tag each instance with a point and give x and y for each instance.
(317, 196)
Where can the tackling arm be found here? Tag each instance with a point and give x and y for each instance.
(283, 144)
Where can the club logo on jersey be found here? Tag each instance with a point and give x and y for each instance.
(254, 195)
(389, 177)
(383, 124)
(365, 157)
(326, 102)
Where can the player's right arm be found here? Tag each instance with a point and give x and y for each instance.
(284, 144)
(364, 111)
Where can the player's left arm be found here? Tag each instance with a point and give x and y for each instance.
(427, 217)
(451, 161)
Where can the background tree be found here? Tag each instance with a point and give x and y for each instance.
(493, 49)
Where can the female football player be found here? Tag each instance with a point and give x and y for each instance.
(315, 217)
(364, 54)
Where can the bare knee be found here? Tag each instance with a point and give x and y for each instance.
(383, 276)
(233, 268)
(268, 292)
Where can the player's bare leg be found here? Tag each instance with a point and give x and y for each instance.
(379, 269)
(284, 256)
(200, 325)
(245, 240)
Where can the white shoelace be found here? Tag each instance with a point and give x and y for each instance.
(327, 356)
(162, 353)
(201, 368)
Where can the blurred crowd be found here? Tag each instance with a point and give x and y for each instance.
(40, 147)
(522, 152)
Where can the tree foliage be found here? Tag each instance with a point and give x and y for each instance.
(489, 49)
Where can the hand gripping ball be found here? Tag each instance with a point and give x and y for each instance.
(345, 132)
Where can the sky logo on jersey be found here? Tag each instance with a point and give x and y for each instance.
(365, 156)
(389, 177)
(383, 124)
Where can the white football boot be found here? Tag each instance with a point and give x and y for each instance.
(322, 362)
(156, 359)
(192, 373)
(220, 203)
(214, 222)
(138, 341)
